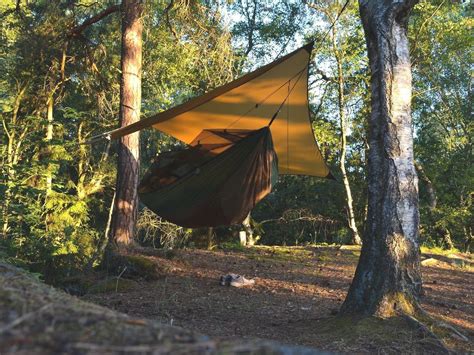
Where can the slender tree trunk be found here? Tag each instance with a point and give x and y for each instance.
(210, 238)
(355, 238)
(249, 240)
(81, 163)
(448, 241)
(468, 239)
(433, 199)
(10, 176)
(13, 147)
(388, 277)
(6, 209)
(49, 167)
(126, 203)
(49, 138)
(104, 241)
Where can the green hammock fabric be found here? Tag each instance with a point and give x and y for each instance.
(216, 181)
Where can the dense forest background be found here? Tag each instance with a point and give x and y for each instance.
(59, 86)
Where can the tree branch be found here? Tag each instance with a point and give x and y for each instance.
(168, 20)
(77, 31)
(251, 22)
(415, 41)
(9, 11)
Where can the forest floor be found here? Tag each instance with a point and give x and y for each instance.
(295, 299)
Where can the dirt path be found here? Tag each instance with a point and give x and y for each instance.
(296, 290)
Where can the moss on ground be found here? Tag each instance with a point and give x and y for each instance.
(349, 328)
(386, 335)
(114, 284)
(132, 267)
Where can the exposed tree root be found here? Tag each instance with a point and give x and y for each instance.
(425, 324)
(425, 331)
(435, 323)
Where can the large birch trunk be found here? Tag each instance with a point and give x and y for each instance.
(126, 203)
(388, 276)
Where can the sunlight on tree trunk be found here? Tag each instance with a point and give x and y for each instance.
(210, 238)
(49, 138)
(250, 239)
(388, 276)
(126, 204)
(13, 150)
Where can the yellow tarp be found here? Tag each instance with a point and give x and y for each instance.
(249, 103)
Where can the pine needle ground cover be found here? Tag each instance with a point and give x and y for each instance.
(295, 300)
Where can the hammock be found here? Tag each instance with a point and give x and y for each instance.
(216, 181)
(235, 134)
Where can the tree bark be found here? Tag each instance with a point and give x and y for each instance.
(126, 203)
(355, 238)
(388, 277)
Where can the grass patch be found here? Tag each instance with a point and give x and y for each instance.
(438, 250)
(232, 246)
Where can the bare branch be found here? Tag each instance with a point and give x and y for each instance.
(168, 21)
(251, 23)
(77, 31)
(9, 11)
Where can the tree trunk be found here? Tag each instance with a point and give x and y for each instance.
(49, 166)
(13, 151)
(355, 238)
(468, 239)
(49, 138)
(126, 203)
(448, 241)
(210, 238)
(249, 237)
(433, 199)
(388, 277)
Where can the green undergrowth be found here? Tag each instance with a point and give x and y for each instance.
(232, 246)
